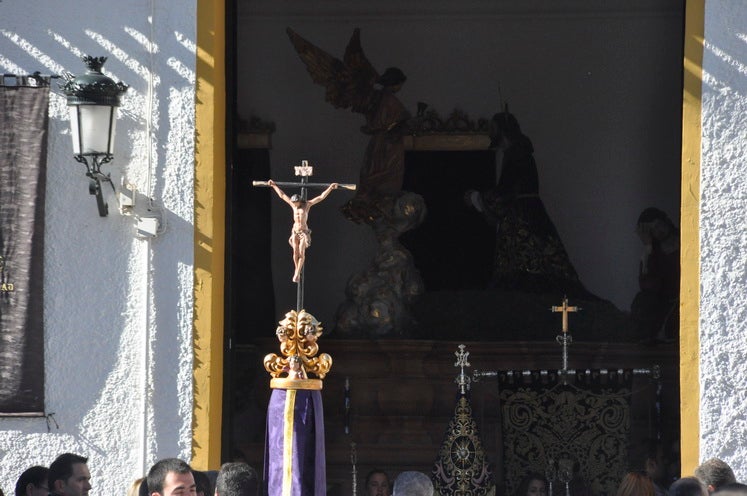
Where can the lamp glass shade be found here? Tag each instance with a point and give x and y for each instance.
(92, 129)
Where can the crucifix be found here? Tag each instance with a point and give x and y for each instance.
(565, 338)
(300, 237)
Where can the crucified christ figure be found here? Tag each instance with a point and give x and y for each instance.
(300, 237)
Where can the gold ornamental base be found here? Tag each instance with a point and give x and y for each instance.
(288, 383)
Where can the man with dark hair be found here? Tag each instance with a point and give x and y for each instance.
(33, 482)
(69, 475)
(236, 479)
(715, 473)
(171, 477)
(377, 483)
(688, 486)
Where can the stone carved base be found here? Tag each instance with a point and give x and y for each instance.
(379, 299)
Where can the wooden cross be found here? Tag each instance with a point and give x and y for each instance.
(565, 308)
(304, 171)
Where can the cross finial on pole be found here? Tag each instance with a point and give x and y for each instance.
(462, 379)
(565, 308)
(565, 339)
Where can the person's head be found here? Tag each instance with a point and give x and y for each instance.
(636, 484)
(532, 484)
(653, 461)
(412, 484)
(202, 483)
(393, 77)
(656, 224)
(688, 486)
(134, 489)
(69, 476)
(296, 199)
(714, 473)
(171, 477)
(377, 483)
(236, 479)
(33, 482)
(143, 489)
(504, 127)
(238, 455)
(733, 489)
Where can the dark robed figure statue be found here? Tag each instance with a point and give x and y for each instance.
(529, 255)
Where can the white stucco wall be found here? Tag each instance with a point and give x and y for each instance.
(723, 272)
(118, 309)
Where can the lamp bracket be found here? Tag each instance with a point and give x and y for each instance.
(94, 188)
(97, 160)
(93, 171)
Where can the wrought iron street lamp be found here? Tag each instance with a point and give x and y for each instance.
(93, 99)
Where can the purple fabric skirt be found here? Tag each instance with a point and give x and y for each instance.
(294, 444)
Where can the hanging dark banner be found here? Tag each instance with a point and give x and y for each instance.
(24, 118)
(573, 430)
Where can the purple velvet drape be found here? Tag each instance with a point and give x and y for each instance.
(295, 466)
(24, 118)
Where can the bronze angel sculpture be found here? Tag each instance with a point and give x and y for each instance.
(354, 83)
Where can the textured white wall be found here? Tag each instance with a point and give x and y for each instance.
(118, 310)
(723, 228)
(595, 85)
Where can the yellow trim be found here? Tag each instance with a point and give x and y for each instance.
(288, 417)
(210, 227)
(209, 245)
(690, 255)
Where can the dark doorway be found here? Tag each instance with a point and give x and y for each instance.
(453, 248)
(252, 309)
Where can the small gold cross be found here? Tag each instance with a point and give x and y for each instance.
(565, 308)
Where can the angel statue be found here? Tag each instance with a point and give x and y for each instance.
(378, 298)
(354, 83)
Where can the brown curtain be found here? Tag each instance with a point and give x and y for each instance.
(24, 120)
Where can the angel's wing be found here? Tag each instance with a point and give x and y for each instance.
(349, 82)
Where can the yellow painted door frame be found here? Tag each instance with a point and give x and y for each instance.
(209, 241)
(690, 236)
(209, 234)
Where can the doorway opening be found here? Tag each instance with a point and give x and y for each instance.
(453, 247)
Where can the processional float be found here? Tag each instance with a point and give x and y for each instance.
(294, 445)
(576, 406)
(562, 391)
(462, 467)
